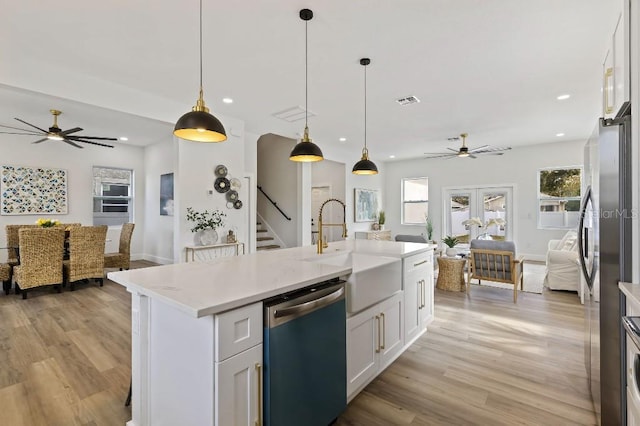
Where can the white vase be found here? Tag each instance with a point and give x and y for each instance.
(205, 238)
(452, 251)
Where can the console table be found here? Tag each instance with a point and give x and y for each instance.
(211, 251)
(373, 235)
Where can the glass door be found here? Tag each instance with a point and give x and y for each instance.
(479, 212)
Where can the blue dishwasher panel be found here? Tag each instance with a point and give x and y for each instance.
(306, 369)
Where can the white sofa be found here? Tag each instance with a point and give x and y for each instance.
(563, 270)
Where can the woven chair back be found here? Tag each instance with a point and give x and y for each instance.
(13, 240)
(125, 239)
(41, 253)
(86, 252)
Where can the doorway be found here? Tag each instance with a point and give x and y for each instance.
(492, 205)
(320, 194)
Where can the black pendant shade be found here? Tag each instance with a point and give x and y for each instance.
(365, 166)
(199, 125)
(306, 151)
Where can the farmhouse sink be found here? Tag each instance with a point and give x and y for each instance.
(373, 278)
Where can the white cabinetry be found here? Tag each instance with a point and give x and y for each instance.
(417, 282)
(374, 340)
(238, 366)
(616, 66)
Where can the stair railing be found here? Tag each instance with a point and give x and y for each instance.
(274, 203)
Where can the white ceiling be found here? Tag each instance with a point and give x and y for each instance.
(492, 68)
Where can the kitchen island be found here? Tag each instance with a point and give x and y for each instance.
(197, 327)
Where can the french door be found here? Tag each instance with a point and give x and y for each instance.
(492, 205)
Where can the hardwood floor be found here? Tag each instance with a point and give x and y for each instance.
(65, 360)
(486, 361)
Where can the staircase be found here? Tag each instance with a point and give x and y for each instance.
(264, 240)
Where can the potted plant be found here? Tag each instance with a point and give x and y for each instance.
(206, 224)
(450, 241)
(381, 219)
(429, 229)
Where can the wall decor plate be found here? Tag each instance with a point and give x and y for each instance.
(236, 184)
(222, 185)
(232, 195)
(221, 170)
(237, 205)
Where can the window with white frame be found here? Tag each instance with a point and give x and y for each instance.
(415, 200)
(559, 195)
(112, 196)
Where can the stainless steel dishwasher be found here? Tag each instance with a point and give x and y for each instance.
(305, 367)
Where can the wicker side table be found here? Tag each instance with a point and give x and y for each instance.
(451, 274)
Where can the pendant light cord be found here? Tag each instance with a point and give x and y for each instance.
(365, 107)
(306, 74)
(200, 46)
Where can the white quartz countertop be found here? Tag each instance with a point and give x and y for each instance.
(632, 291)
(206, 288)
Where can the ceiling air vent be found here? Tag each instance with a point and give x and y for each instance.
(292, 114)
(408, 100)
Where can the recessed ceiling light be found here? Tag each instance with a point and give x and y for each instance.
(227, 100)
(559, 134)
(563, 97)
(392, 156)
(123, 138)
(342, 139)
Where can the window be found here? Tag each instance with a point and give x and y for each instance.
(559, 197)
(112, 196)
(415, 200)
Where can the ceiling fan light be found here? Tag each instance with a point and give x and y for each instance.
(54, 137)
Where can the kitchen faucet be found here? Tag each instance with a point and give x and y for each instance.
(322, 244)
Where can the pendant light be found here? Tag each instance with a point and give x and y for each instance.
(365, 166)
(198, 125)
(306, 151)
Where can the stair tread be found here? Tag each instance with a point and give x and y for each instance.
(264, 238)
(261, 230)
(268, 247)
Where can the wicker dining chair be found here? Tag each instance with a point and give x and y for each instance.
(5, 277)
(86, 255)
(41, 252)
(12, 244)
(122, 259)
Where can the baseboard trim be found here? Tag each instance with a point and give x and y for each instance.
(155, 259)
(535, 257)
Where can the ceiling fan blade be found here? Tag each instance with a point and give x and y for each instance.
(76, 139)
(31, 125)
(453, 150)
(479, 148)
(472, 156)
(16, 133)
(72, 143)
(75, 129)
(41, 140)
(93, 137)
(18, 128)
(441, 155)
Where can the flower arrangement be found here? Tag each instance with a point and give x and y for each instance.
(205, 220)
(47, 223)
(496, 221)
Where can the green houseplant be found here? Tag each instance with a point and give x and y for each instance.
(382, 218)
(429, 229)
(450, 241)
(206, 224)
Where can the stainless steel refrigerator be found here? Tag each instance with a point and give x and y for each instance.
(604, 242)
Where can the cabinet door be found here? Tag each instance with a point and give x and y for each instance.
(412, 300)
(391, 329)
(426, 312)
(238, 390)
(362, 347)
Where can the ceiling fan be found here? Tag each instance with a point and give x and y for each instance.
(465, 151)
(55, 133)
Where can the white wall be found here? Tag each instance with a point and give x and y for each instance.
(19, 151)
(195, 177)
(277, 175)
(158, 232)
(518, 166)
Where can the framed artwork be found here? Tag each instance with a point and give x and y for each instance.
(166, 194)
(367, 204)
(27, 190)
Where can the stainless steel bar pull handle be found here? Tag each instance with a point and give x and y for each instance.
(259, 372)
(307, 306)
(384, 337)
(421, 263)
(419, 295)
(423, 302)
